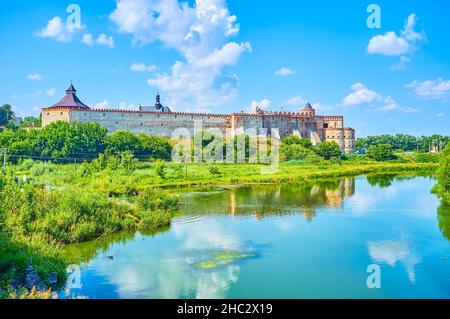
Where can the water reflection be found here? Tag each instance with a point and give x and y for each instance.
(392, 251)
(444, 219)
(269, 200)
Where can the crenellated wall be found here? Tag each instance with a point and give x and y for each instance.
(316, 128)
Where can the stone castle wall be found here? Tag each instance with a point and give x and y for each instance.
(316, 128)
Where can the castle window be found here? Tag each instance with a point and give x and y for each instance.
(142, 124)
(85, 114)
(104, 114)
(61, 113)
(325, 125)
(48, 113)
(117, 123)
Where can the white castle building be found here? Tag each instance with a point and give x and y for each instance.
(161, 120)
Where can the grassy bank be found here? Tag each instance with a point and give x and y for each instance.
(120, 181)
(36, 221)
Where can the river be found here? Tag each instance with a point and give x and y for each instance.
(317, 240)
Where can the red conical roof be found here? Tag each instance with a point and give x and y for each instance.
(71, 100)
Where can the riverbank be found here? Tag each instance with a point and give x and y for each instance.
(122, 181)
(59, 204)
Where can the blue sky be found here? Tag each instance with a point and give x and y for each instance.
(227, 56)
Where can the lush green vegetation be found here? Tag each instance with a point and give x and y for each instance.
(443, 175)
(6, 114)
(404, 142)
(37, 219)
(68, 183)
(64, 142)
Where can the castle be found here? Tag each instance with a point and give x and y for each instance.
(161, 120)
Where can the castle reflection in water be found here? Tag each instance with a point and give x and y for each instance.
(267, 200)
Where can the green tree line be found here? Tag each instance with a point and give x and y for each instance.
(80, 141)
(404, 142)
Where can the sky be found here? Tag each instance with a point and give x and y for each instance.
(386, 68)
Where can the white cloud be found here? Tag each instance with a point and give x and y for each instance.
(432, 89)
(284, 72)
(50, 92)
(200, 33)
(392, 44)
(102, 105)
(441, 114)
(57, 29)
(295, 101)
(402, 64)
(88, 39)
(141, 67)
(35, 77)
(388, 44)
(263, 105)
(229, 54)
(362, 95)
(104, 39)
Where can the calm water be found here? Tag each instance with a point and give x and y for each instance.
(284, 241)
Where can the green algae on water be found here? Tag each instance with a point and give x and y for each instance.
(221, 258)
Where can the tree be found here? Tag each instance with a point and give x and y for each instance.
(155, 147)
(122, 141)
(293, 139)
(31, 121)
(6, 114)
(328, 150)
(443, 174)
(381, 153)
(295, 152)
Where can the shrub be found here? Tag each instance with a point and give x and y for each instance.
(41, 168)
(160, 169)
(296, 152)
(381, 153)
(214, 170)
(295, 140)
(426, 158)
(328, 150)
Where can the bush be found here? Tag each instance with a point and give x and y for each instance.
(328, 150)
(381, 153)
(214, 170)
(295, 140)
(41, 168)
(160, 169)
(426, 158)
(296, 152)
(443, 175)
